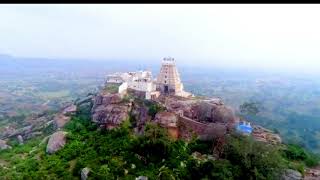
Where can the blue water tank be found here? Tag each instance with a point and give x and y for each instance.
(244, 128)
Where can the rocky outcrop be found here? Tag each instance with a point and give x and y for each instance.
(166, 119)
(207, 111)
(312, 173)
(169, 121)
(109, 111)
(262, 134)
(63, 117)
(56, 142)
(290, 174)
(140, 115)
(3, 145)
(32, 126)
(60, 120)
(84, 173)
(69, 110)
(32, 135)
(207, 118)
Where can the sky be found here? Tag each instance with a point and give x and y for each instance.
(266, 36)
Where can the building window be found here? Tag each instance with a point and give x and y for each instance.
(165, 82)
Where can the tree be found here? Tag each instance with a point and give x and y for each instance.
(250, 108)
(255, 160)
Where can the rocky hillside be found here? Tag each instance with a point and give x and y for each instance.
(108, 136)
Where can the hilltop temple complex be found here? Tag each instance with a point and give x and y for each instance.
(167, 83)
(183, 114)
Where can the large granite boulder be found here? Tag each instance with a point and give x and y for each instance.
(84, 173)
(3, 145)
(109, 111)
(140, 114)
(69, 110)
(56, 142)
(206, 111)
(106, 98)
(290, 174)
(262, 134)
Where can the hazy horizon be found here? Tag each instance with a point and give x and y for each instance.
(275, 37)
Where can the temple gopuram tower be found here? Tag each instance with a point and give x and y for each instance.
(168, 81)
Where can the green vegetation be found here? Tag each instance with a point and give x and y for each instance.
(296, 153)
(121, 154)
(154, 109)
(249, 108)
(112, 88)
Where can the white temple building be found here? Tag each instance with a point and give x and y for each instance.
(168, 81)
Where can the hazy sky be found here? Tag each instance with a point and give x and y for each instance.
(269, 36)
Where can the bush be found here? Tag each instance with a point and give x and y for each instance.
(255, 160)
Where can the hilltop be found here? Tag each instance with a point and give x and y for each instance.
(138, 147)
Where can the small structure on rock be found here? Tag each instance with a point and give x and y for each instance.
(244, 128)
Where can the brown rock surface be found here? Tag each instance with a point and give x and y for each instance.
(60, 120)
(69, 109)
(265, 135)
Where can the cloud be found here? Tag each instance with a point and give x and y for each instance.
(264, 36)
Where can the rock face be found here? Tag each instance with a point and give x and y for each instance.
(63, 117)
(85, 173)
(140, 114)
(69, 110)
(202, 110)
(169, 121)
(109, 111)
(207, 118)
(60, 120)
(312, 173)
(290, 174)
(56, 142)
(3, 145)
(262, 134)
(166, 119)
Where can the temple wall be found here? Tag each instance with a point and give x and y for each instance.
(188, 126)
